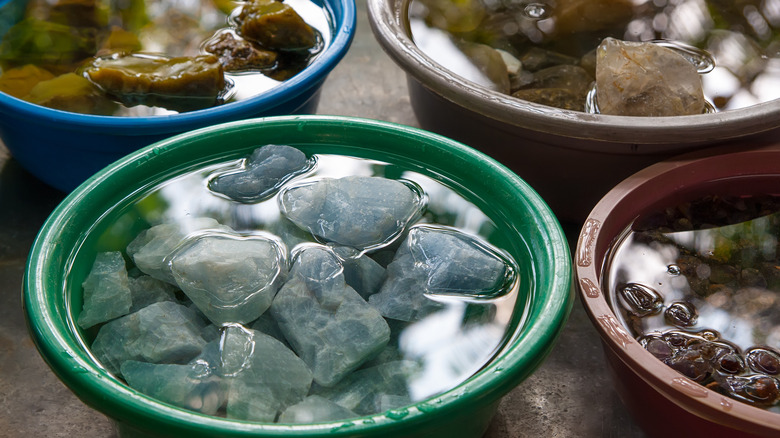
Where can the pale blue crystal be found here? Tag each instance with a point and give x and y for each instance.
(358, 211)
(361, 272)
(315, 409)
(327, 323)
(191, 386)
(265, 376)
(152, 246)
(374, 389)
(230, 278)
(148, 290)
(164, 332)
(440, 261)
(262, 174)
(106, 290)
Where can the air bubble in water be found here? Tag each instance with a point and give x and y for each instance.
(536, 11)
(641, 300)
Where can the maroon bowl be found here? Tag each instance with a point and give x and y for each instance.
(662, 401)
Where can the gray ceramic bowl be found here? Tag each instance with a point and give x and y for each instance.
(570, 158)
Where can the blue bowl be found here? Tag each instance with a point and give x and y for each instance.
(63, 149)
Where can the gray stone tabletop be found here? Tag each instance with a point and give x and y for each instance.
(570, 395)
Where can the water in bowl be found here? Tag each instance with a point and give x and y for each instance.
(447, 328)
(83, 56)
(545, 52)
(698, 284)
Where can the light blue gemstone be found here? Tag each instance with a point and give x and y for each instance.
(164, 332)
(327, 323)
(440, 261)
(230, 278)
(315, 409)
(106, 290)
(265, 376)
(191, 386)
(357, 211)
(151, 247)
(262, 174)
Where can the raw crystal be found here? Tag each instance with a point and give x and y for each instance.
(265, 376)
(361, 272)
(440, 261)
(315, 409)
(327, 323)
(148, 290)
(191, 386)
(645, 79)
(151, 247)
(365, 391)
(262, 174)
(357, 211)
(164, 332)
(230, 278)
(267, 324)
(106, 290)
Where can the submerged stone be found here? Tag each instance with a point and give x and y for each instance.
(262, 174)
(265, 376)
(315, 409)
(375, 389)
(230, 278)
(357, 211)
(190, 386)
(164, 332)
(440, 261)
(645, 79)
(147, 290)
(106, 290)
(151, 247)
(327, 323)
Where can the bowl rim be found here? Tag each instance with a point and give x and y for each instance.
(342, 18)
(387, 21)
(611, 215)
(91, 383)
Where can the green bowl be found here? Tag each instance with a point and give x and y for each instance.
(534, 238)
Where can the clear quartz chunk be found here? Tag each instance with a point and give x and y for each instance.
(357, 211)
(230, 278)
(151, 247)
(106, 290)
(646, 79)
(440, 261)
(190, 386)
(164, 332)
(328, 324)
(261, 174)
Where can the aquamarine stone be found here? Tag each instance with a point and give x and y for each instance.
(374, 389)
(230, 278)
(148, 290)
(358, 211)
(315, 409)
(262, 174)
(106, 290)
(326, 322)
(151, 247)
(265, 376)
(267, 324)
(191, 386)
(164, 332)
(361, 272)
(440, 261)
